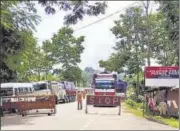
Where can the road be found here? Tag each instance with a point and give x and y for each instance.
(69, 118)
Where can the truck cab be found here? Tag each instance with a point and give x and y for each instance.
(70, 90)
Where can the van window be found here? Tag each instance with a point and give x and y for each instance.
(16, 91)
(7, 91)
(42, 86)
(31, 90)
(26, 89)
(21, 90)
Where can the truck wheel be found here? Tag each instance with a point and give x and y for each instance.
(64, 101)
(68, 100)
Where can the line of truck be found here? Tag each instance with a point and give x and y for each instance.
(64, 91)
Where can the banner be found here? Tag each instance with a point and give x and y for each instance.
(163, 72)
(158, 76)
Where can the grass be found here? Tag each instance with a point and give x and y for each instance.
(132, 110)
(168, 121)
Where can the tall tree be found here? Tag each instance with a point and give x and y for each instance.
(73, 74)
(17, 20)
(88, 75)
(170, 11)
(64, 48)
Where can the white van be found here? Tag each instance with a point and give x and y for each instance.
(41, 88)
(14, 89)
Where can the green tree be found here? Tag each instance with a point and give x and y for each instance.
(170, 11)
(87, 76)
(73, 74)
(130, 45)
(76, 9)
(18, 19)
(64, 48)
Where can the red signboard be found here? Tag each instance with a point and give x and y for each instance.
(162, 72)
(103, 100)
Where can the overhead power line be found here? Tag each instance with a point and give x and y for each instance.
(105, 17)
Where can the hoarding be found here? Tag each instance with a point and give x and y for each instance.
(156, 76)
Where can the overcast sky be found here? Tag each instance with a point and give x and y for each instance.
(98, 38)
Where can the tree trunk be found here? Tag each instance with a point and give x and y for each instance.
(148, 33)
(39, 75)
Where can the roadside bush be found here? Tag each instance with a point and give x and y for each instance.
(140, 99)
(134, 104)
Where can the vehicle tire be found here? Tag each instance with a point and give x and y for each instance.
(13, 110)
(64, 101)
(68, 99)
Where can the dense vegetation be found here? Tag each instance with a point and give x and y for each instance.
(21, 59)
(142, 36)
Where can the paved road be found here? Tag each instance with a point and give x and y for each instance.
(69, 118)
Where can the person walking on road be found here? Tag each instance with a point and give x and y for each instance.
(79, 100)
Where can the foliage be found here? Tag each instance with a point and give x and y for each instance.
(73, 74)
(169, 121)
(77, 9)
(19, 15)
(170, 11)
(142, 37)
(64, 48)
(134, 104)
(129, 33)
(17, 21)
(87, 76)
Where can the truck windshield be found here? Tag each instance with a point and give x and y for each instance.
(104, 84)
(42, 86)
(6, 91)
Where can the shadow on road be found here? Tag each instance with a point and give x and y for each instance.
(9, 120)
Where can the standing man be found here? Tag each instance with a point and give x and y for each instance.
(79, 100)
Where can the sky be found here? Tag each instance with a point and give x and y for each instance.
(99, 40)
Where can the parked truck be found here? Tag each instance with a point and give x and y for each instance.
(70, 90)
(50, 87)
